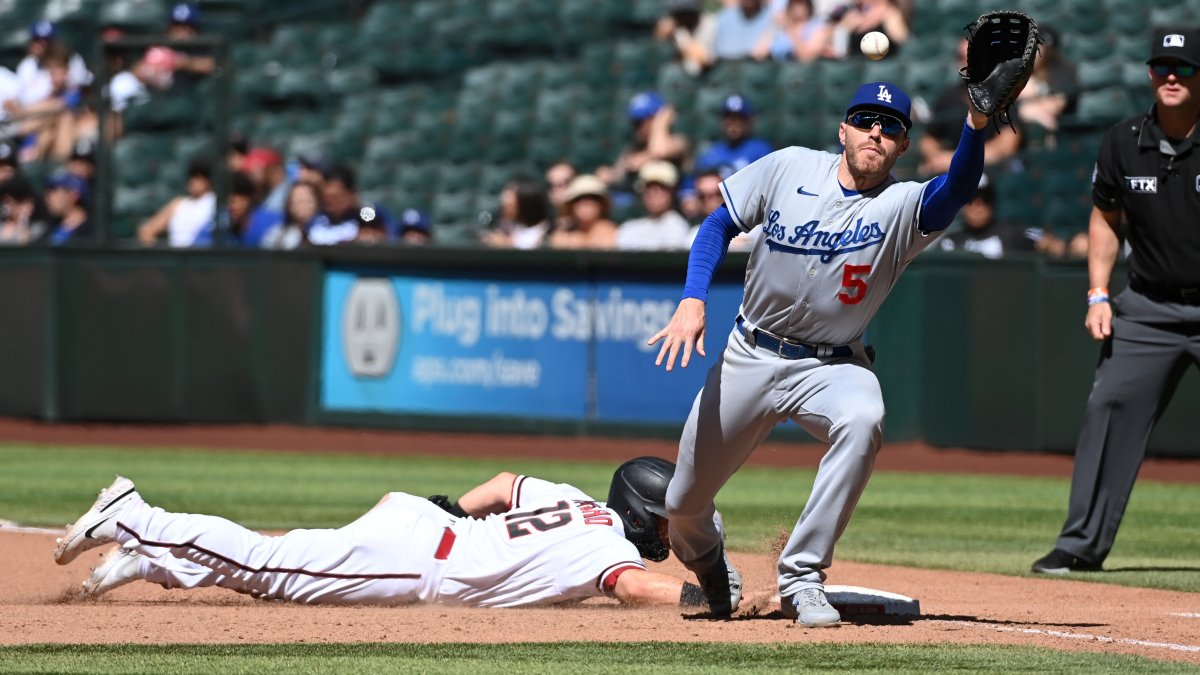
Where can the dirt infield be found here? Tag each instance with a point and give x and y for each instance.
(41, 603)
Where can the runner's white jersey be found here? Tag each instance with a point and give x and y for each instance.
(555, 543)
(827, 257)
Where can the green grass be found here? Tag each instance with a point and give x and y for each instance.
(960, 522)
(572, 657)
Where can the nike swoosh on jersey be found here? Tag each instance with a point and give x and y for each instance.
(806, 194)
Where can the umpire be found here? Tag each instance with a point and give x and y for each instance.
(1148, 172)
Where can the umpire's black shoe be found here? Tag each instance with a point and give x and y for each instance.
(721, 583)
(1059, 561)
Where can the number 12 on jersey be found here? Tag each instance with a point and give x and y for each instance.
(854, 289)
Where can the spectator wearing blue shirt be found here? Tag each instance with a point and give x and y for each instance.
(740, 27)
(737, 148)
(345, 217)
(67, 200)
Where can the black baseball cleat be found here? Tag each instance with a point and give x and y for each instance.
(1059, 561)
(722, 585)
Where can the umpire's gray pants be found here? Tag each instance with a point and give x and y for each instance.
(1151, 347)
(747, 394)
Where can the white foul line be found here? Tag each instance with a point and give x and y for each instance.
(10, 526)
(1076, 636)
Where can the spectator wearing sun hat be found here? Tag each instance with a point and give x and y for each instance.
(738, 148)
(587, 208)
(663, 227)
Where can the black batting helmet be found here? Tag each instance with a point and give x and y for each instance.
(638, 493)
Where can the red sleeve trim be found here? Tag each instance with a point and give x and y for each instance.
(607, 583)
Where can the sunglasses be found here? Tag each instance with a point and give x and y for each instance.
(1177, 69)
(890, 126)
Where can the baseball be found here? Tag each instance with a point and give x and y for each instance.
(874, 45)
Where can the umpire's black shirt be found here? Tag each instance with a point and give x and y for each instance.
(1155, 180)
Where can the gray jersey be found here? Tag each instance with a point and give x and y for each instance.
(826, 260)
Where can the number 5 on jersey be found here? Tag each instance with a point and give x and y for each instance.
(854, 289)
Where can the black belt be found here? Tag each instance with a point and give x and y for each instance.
(1162, 293)
(788, 348)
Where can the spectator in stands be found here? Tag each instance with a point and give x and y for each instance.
(693, 32)
(344, 214)
(651, 120)
(853, 20)
(524, 218)
(1053, 87)
(662, 228)
(164, 65)
(243, 195)
(737, 147)
(301, 207)
(23, 217)
(798, 33)
(33, 75)
(264, 167)
(67, 204)
(942, 131)
(48, 126)
(981, 232)
(587, 208)
(312, 168)
(236, 150)
(415, 227)
(709, 199)
(558, 177)
(186, 220)
(9, 163)
(740, 27)
(82, 161)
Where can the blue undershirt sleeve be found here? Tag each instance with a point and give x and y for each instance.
(949, 192)
(712, 241)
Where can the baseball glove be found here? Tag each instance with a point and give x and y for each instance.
(1001, 47)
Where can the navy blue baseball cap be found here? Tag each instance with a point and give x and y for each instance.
(644, 105)
(69, 181)
(414, 219)
(185, 13)
(736, 104)
(42, 30)
(883, 97)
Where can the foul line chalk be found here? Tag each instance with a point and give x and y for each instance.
(1074, 636)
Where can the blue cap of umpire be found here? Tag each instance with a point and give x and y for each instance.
(883, 97)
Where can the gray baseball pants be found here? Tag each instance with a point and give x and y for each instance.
(747, 394)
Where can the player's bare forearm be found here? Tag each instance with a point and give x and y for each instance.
(642, 587)
(684, 333)
(490, 497)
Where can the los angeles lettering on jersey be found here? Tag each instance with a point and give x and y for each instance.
(806, 239)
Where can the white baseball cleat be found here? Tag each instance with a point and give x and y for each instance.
(810, 608)
(99, 525)
(118, 567)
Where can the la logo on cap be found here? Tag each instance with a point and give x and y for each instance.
(1173, 40)
(884, 94)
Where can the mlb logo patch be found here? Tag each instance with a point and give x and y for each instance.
(1142, 184)
(1173, 40)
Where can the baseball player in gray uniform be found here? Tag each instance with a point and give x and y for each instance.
(837, 231)
(511, 541)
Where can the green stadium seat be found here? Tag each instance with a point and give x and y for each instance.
(1100, 74)
(1101, 108)
(886, 70)
(453, 208)
(757, 80)
(351, 80)
(452, 177)
(416, 176)
(676, 85)
(636, 63)
(140, 16)
(298, 84)
(584, 21)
